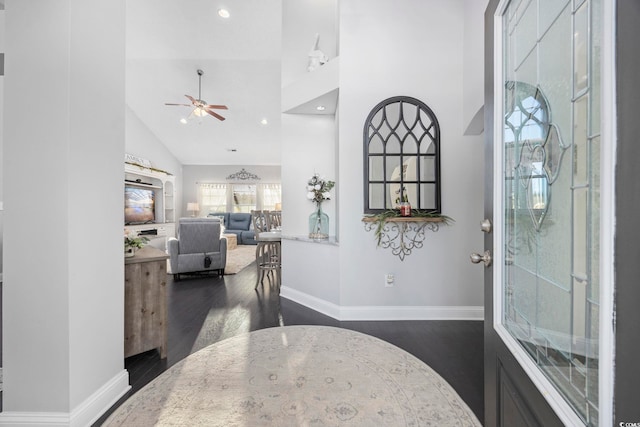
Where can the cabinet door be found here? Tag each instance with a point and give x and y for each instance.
(145, 307)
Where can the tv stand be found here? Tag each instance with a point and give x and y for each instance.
(138, 182)
(148, 232)
(158, 234)
(163, 185)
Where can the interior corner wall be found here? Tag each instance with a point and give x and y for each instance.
(414, 49)
(308, 147)
(141, 142)
(63, 285)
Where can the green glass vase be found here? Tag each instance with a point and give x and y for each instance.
(318, 224)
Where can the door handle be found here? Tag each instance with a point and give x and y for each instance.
(486, 258)
(486, 226)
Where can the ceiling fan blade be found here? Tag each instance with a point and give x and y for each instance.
(214, 114)
(219, 107)
(191, 98)
(182, 105)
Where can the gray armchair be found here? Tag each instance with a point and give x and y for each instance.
(198, 247)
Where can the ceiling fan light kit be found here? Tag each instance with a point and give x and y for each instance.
(200, 107)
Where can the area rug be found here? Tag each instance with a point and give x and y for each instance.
(297, 376)
(239, 258)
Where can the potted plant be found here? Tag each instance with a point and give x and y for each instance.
(133, 242)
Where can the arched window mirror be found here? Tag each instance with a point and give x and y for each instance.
(401, 156)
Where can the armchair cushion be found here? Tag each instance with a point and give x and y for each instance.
(239, 221)
(199, 236)
(248, 237)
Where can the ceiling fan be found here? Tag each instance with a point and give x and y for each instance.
(201, 108)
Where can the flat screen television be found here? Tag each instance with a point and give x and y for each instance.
(139, 205)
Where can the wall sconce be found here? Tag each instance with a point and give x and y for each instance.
(193, 208)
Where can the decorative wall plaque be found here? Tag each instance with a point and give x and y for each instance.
(243, 175)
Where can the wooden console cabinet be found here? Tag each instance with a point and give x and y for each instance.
(145, 302)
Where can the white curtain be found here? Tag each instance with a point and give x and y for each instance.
(235, 197)
(212, 198)
(270, 196)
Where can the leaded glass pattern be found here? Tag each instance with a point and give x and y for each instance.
(551, 187)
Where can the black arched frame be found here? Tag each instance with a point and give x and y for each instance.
(401, 156)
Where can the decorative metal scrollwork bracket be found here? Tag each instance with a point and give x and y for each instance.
(403, 236)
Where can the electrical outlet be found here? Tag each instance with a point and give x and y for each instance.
(389, 280)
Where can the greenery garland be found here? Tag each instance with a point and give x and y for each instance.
(149, 167)
(381, 219)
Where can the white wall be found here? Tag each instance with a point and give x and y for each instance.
(388, 49)
(308, 147)
(302, 20)
(473, 73)
(309, 270)
(63, 289)
(141, 142)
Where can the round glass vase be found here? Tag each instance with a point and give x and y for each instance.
(319, 224)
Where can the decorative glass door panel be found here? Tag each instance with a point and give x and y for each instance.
(551, 182)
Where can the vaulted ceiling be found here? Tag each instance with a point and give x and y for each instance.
(168, 40)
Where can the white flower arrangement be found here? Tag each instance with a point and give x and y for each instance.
(132, 240)
(318, 189)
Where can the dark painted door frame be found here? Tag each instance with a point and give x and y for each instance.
(627, 238)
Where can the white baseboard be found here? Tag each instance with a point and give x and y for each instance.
(383, 312)
(412, 313)
(83, 415)
(99, 402)
(35, 419)
(325, 307)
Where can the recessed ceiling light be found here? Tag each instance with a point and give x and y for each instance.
(264, 122)
(320, 108)
(232, 150)
(183, 121)
(223, 13)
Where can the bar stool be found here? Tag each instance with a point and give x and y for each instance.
(268, 257)
(274, 220)
(260, 220)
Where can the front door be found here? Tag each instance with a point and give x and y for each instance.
(543, 358)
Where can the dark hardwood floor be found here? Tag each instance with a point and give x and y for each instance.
(205, 310)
